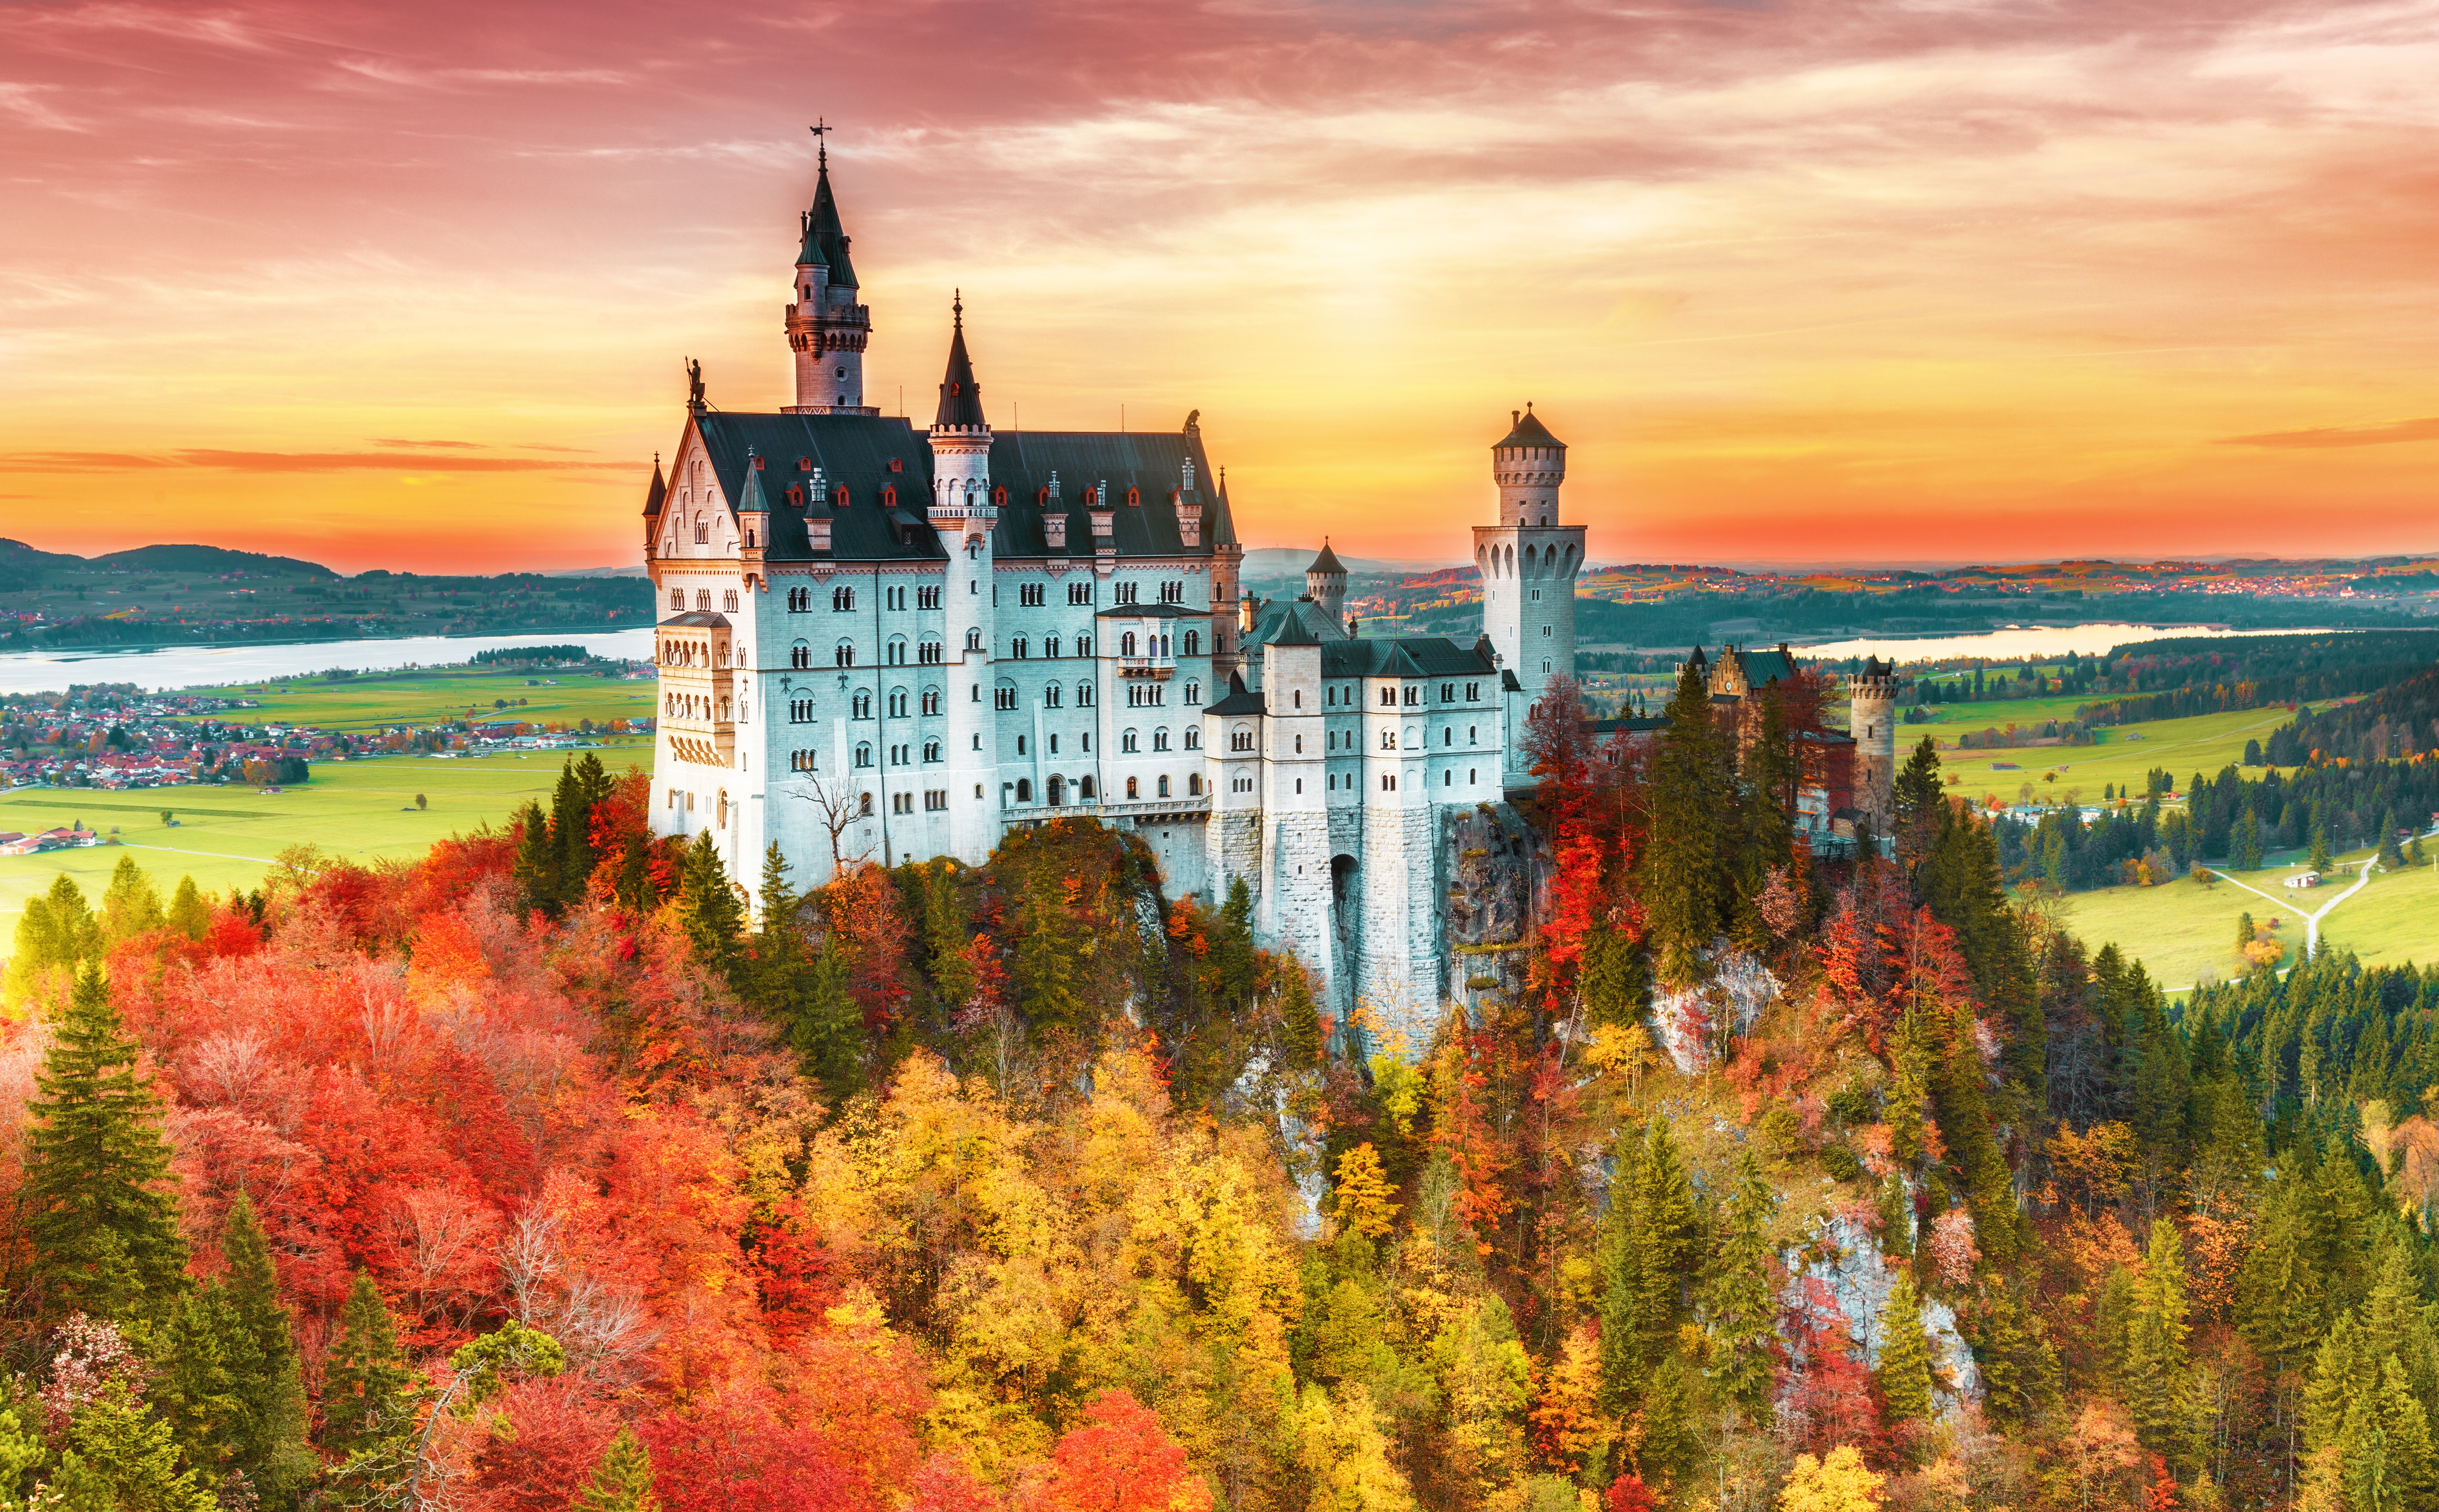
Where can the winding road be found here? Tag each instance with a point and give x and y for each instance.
(2312, 920)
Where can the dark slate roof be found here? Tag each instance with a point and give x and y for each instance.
(659, 491)
(1326, 562)
(1151, 612)
(1874, 666)
(1293, 631)
(1762, 667)
(696, 619)
(826, 238)
(1698, 659)
(1529, 431)
(961, 397)
(1404, 656)
(1632, 724)
(1241, 700)
(1272, 618)
(855, 451)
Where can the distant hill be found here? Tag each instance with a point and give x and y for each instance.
(636, 570)
(1291, 562)
(21, 565)
(209, 558)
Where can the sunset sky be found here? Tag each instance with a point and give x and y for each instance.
(409, 286)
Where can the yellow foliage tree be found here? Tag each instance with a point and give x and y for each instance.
(1363, 1204)
(1569, 1428)
(1841, 1482)
(1345, 1456)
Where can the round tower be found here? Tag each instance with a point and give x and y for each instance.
(1528, 560)
(1324, 583)
(827, 329)
(1872, 719)
(962, 514)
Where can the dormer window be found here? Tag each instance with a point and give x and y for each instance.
(838, 497)
(795, 498)
(758, 464)
(804, 464)
(1134, 498)
(889, 495)
(896, 464)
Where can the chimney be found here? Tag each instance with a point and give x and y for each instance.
(1247, 607)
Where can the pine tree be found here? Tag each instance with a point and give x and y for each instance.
(121, 1456)
(1299, 1018)
(1903, 1374)
(56, 934)
(2247, 854)
(102, 1217)
(536, 868)
(1919, 802)
(2244, 931)
(1739, 1298)
(1229, 968)
(2156, 1371)
(364, 1378)
(2407, 1477)
(2414, 852)
(582, 785)
(1686, 891)
(709, 913)
(188, 914)
(204, 1354)
(270, 1447)
(1653, 1243)
(2390, 856)
(782, 966)
(1049, 953)
(2321, 858)
(623, 1481)
(130, 905)
(826, 1028)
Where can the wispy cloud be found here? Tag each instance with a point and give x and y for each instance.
(2422, 429)
(232, 461)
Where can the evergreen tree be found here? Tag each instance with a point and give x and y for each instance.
(582, 785)
(56, 934)
(1686, 891)
(188, 914)
(824, 1026)
(204, 1355)
(2155, 1369)
(270, 1445)
(130, 905)
(1230, 969)
(1299, 1018)
(2247, 854)
(121, 1456)
(709, 912)
(1049, 954)
(623, 1481)
(1920, 805)
(2396, 1466)
(2244, 931)
(2390, 856)
(2321, 858)
(101, 1216)
(364, 1378)
(536, 868)
(782, 966)
(1653, 1243)
(2414, 852)
(1739, 1299)
(1903, 1373)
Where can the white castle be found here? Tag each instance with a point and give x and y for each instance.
(888, 644)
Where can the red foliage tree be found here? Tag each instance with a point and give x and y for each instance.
(1628, 1494)
(1117, 1460)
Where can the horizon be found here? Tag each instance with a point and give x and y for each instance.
(2077, 285)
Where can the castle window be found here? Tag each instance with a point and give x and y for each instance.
(1084, 787)
(800, 761)
(1050, 647)
(804, 464)
(800, 655)
(1020, 745)
(1083, 645)
(862, 706)
(897, 704)
(999, 495)
(928, 653)
(1470, 737)
(1004, 696)
(1127, 644)
(842, 600)
(931, 750)
(1389, 698)
(1448, 738)
(931, 700)
(1240, 738)
(1084, 698)
(1194, 740)
(864, 806)
(896, 464)
(844, 655)
(935, 800)
(728, 601)
(800, 711)
(1473, 692)
(1163, 785)
(1133, 790)
(800, 600)
(1017, 648)
(1193, 695)
(896, 653)
(927, 597)
(1193, 784)
(838, 497)
(1051, 695)
(1447, 692)
(1122, 594)
(1388, 740)
(902, 803)
(1193, 643)
(1160, 738)
(701, 531)
(1545, 631)
(1127, 741)
(702, 600)
(1448, 779)
(1299, 745)
(796, 497)
(889, 495)
(864, 756)
(973, 640)
(1134, 498)
(1080, 593)
(901, 755)
(1298, 696)
(1388, 783)
(1172, 592)
(1470, 780)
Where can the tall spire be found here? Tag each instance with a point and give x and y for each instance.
(961, 397)
(826, 237)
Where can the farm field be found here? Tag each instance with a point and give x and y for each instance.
(380, 700)
(2123, 753)
(2184, 934)
(228, 836)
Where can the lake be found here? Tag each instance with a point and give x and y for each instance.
(176, 666)
(2043, 641)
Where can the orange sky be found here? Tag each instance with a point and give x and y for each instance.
(409, 286)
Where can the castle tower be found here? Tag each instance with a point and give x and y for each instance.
(827, 329)
(1872, 719)
(1324, 583)
(963, 515)
(1528, 561)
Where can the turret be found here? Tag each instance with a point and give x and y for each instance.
(963, 515)
(1871, 719)
(827, 329)
(1528, 560)
(1324, 583)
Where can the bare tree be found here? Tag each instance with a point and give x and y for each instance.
(838, 807)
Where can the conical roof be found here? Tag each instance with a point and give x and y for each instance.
(1527, 430)
(961, 397)
(1326, 562)
(826, 237)
(658, 491)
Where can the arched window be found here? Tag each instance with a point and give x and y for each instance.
(800, 600)
(1193, 784)
(931, 700)
(1388, 740)
(1085, 788)
(864, 754)
(1193, 694)
(1024, 790)
(897, 704)
(677, 599)
(1240, 738)
(728, 601)
(842, 600)
(1163, 785)
(1126, 740)
(723, 809)
(975, 640)
(701, 531)
(1055, 789)
(1194, 740)
(1133, 790)
(931, 750)
(1160, 738)
(702, 600)
(1050, 647)
(1193, 643)
(928, 653)
(1127, 644)
(862, 705)
(843, 654)
(1299, 745)
(1084, 695)
(800, 655)
(1017, 648)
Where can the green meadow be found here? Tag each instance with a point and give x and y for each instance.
(376, 701)
(228, 836)
(2119, 754)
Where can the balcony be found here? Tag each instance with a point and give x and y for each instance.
(1195, 808)
(1159, 668)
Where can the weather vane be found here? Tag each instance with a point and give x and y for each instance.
(820, 129)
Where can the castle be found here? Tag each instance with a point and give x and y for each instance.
(890, 644)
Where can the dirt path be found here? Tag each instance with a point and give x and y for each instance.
(2312, 920)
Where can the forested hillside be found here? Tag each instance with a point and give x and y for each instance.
(535, 1174)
